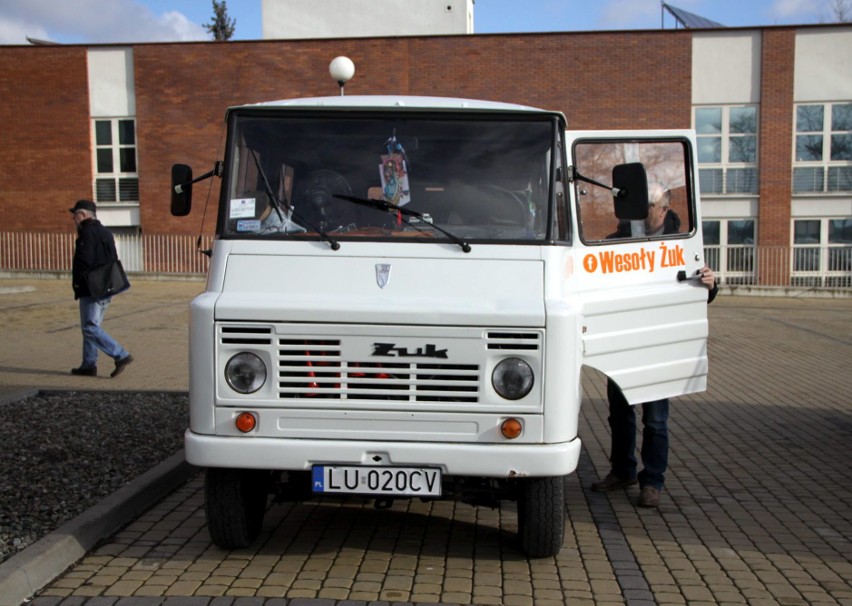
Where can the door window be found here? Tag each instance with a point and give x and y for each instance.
(668, 209)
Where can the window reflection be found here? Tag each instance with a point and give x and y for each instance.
(665, 165)
(479, 178)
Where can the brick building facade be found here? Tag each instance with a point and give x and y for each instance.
(177, 94)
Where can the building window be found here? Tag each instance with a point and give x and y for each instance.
(116, 177)
(806, 245)
(727, 149)
(735, 259)
(840, 246)
(823, 154)
(822, 252)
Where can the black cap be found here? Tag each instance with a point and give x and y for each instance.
(84, 205)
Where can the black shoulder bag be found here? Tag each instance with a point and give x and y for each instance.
(109, 279)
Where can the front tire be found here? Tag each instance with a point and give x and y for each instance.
(541, 516)
(235, 503)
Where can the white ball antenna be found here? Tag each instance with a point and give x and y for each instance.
(341, 69)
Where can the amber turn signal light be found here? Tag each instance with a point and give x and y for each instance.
(245, 422)
(511, 428)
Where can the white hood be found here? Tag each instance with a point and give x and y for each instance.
(446, 289)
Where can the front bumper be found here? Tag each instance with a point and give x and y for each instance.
(478, 460)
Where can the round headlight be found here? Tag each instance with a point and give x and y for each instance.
(512, 378)
(245, 372)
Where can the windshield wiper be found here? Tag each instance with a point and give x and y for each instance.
(276, 204)
(402, 211)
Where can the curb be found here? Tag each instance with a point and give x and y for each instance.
(26, 573)
(17, 396)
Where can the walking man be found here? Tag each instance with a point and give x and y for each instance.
(93, 248)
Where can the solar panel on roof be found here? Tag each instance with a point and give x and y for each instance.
(690, 20)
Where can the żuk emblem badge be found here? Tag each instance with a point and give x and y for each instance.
(382, 274)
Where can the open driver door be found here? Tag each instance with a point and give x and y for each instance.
(637, 258)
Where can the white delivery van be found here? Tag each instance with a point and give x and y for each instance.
(403, 291)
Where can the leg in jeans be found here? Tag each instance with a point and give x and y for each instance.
(655, 443)
(94, 337)
(622, 425)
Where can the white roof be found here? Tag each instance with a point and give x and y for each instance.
(395, 101)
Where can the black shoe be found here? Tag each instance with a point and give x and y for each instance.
(120, 365)
(85, 371)
(611, 482)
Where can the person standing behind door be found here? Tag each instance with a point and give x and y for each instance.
(661, 220)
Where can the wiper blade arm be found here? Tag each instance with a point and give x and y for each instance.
(401, 210)
(276, 204)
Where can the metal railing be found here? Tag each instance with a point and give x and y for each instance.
(164, 254)
(806, 266)
(821, 266)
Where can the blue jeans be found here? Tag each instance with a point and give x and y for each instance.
(655, 438)
(94, 337)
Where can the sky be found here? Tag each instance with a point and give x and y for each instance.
(124, 21)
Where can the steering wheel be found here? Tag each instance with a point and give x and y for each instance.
(314, 199)
(509, 208)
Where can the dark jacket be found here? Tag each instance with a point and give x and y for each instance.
(94, 247)
(671, 225)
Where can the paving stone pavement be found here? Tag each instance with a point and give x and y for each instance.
(756, 508)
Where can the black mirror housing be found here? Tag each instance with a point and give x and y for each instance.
(630, 182)
(181, 198)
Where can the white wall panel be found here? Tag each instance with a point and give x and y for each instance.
(289, 19)
(111, 88)
(823, 65)
(726, 67)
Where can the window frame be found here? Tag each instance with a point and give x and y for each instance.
(607, 234)
(242, 168)
(826, 259)
(725, 165)
(825, 164)
(125, 183)
(733, 260)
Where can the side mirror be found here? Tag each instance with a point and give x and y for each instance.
(181, 200)
(630, 186)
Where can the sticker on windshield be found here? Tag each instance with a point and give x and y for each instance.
(242, 208)
(248, 225)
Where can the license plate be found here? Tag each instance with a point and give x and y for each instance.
(398, 481)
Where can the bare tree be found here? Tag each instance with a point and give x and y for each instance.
(840, 11)
(222, 26)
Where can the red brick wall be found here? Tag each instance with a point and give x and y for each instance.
(600, 80)
(45, 157)
(776, 136)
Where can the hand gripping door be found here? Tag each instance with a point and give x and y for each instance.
(638, 251)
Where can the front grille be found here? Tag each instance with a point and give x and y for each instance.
(315, 369)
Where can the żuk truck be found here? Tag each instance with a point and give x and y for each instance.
(402, 294)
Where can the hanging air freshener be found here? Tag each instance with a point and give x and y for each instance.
(394, 173)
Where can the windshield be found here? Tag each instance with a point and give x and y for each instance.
(476, 178)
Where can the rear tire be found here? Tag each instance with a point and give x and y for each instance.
(541, 516)
(235, 503)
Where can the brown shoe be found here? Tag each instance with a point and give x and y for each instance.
(120, 365)
(611, 482)
(649, 497)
